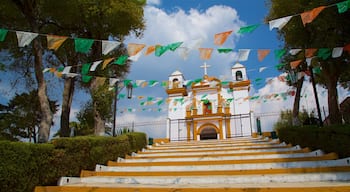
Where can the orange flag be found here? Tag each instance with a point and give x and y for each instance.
(220, 38)
(106, 62)
(134, 48)
(205, 53)
(54, 42)
(262, 53)
(309, 16)
(310, 52)
(295, 64)
(150, 49)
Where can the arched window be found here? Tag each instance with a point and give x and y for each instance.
(239, 76)
(175, 83)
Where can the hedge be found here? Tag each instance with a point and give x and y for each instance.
(25, 165)
(329, 138)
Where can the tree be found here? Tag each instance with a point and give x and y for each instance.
(22, 116)
(329, 30)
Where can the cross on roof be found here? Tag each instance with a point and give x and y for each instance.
(205, 66)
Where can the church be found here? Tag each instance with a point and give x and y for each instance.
(209, 108)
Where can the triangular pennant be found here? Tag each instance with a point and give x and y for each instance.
(294, 51)
(309, 16)
(108, 46)
(310, 52)
(300, 75)
(86, 78)
(243, 54)
(152, 83)
(224, 50)
(3, 33)
(134, 48)
(121, 60)
(83, 45)
(337, 52)
(54, 42)
(280, 66)
(183, 52)
(316, 70)
(261, 69)
(174, 46)
(160, 50)
(106, 62)
(295, 64)
(95, 65)
(113, 81)
(279, 53)
(205, 53)
(343, 6)
(279, 23)
(85, 68)
(248, 29)
(324, 53)
(139, 82)
(66, 70)
(262, 53)
(308, 60)
(25, 38)
(150, 49)
(165, 84)
(136, 57)
(220, 38)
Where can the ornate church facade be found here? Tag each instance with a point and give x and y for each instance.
(209, 108)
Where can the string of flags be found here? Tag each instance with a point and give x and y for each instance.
(83, 45)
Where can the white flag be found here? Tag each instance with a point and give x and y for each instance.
(279, 23)
(261, 69)
(308, 60)
(95, 65)
(183, 52)
(140, 82)
(112, 81)
(71, 75)
(66, 70)
(136, 57)
(294, 51)
(337, 52)
(108, 46)
(243, 54)
(25, 38)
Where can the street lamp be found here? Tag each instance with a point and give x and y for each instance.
(129, 93)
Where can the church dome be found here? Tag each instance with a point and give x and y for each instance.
(177, 72)
(237, 65)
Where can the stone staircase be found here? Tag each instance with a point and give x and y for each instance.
(237, 165)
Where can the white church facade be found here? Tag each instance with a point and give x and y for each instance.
(209, 108)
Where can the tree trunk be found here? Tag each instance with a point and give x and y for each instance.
(46, 114)
(99, 121)
(296, 105)
(333, 105)
(66, 106)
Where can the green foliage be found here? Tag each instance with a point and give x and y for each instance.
(329, 139)
(286, 118)
(24, 165)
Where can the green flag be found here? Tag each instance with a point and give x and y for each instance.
(248, 29)
(316, 70)
(121, 96)
(3, 33)
(343, 6)
(224, 50)
(197, 80)
(60, 69)
(189, 83)
(85, 68)
(225, 82)
(121, 60)
(160, 50)
(279, 53)
(83, 45)
(279, 66)
(150, 98)
(142, 103)
(86, 78)
(324, 53)
(160, 102)
(126, 82)
(174, 46)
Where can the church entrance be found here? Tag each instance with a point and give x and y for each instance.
(208, 133)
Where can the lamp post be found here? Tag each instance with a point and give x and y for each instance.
(129, 94)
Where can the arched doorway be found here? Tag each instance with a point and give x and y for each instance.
(208, 133)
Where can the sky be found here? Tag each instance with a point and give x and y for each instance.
(170, 21)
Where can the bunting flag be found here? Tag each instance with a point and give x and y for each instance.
(95, 65)
(106, 62)
(300, 75)
(279, 53)
(160, 50)
(108, 46)
(86, 78)
(324, 53)
(309, 16)
(224, 50)
(262, 53)
(343, 6)
(337, 52)
(294, 51)
(139, 82)
(261, 69)
(310, 52)
(66, 70)
(205, 53)
(220, 38)
(165, 84)
(25, 38)
(188, 47)
(83, 45)
(248, 29)
(152, 83)
(279, 23)
(54, 42)
(243, 54)
(121, 60)
(136, 57)
(85, 68)
(134, 48)
(308, 60)
(316, 70)
(295, 64)
(113, 81)
(280, 66)
(150, 49)
(3, 33)
(174, 46)
(184, 52)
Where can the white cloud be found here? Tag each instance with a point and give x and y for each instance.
(154, 2)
